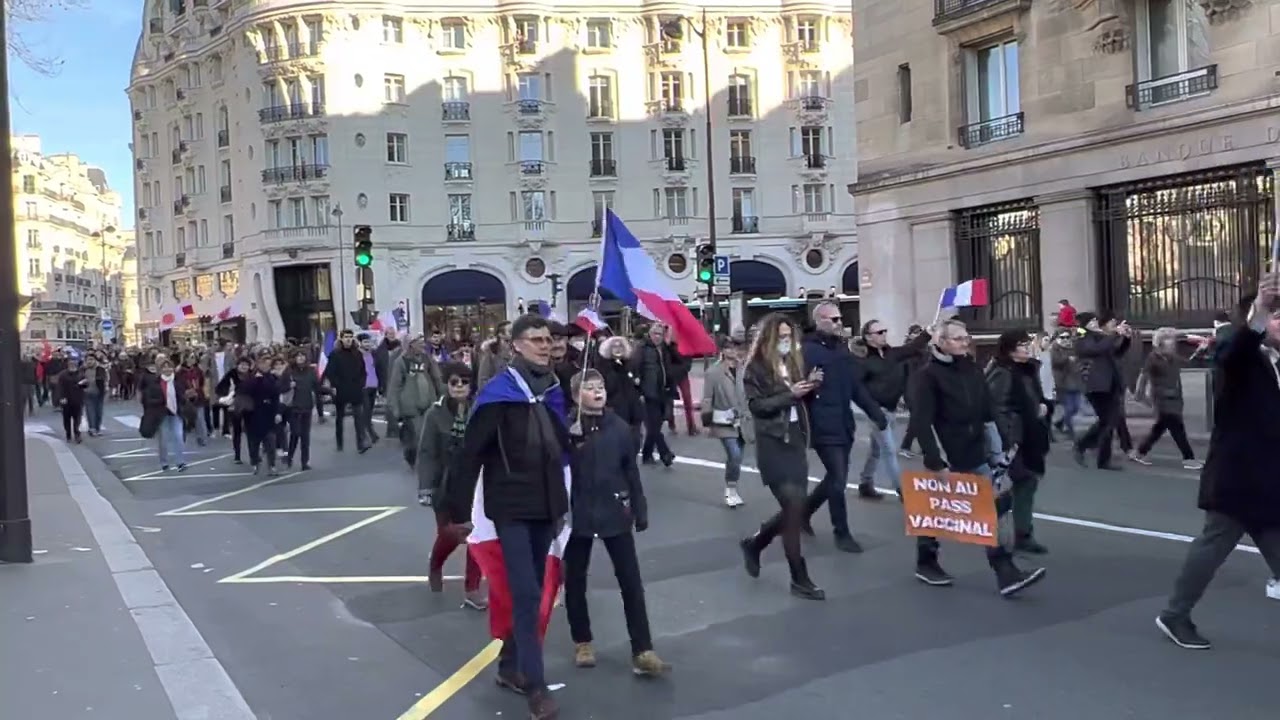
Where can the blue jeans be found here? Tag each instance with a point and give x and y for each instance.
(170, 440)
(1071, 401)
(732, 460)
(93, 412)
(883, 454)
(835, 460)
(524, 552)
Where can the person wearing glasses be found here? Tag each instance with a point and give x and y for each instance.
(827, 351)
(439, 459)
(1239, 491)
(884, 373)
(954, 420)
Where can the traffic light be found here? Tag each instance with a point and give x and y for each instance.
(364, 245)
(706, 263)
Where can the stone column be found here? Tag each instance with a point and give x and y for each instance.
(933, 263)
(1068, 252)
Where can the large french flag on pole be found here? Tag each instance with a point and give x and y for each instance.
(330, 339)
(509, 387)
(628, 272)
(967, 294)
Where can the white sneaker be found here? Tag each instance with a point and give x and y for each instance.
(732, 498)
(1192, 465)
(1273, 588)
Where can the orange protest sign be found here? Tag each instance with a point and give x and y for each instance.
(961, 508)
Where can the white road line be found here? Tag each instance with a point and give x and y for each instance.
(283, 557)
(132, 422)
(34, 427)
(209, 501)
(152, 475)
(175, 475)
(286, 511)
(143, 451)
(336, 580)
(1060, 519)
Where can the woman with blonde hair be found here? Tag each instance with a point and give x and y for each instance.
(1163, 372)
(775, 386)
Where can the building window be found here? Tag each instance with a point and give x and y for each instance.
(673, 151)
(455, 89)
(810, 199)
(599, 34)
(1001, 243)
(1177, 250)
(807, 143)
(28, 183)
(527, 34)
(460, 209)
(739, 96)
(741, 161)
(392, 30)
(399, 207)
(1173, 53)
(33, 239)
(806, 34)
(601, 202)
(675, 203)
(397, 148)
(297, 212)
(671, 90)
(320, 207)
(600, 97)
(533, 205)
(736, 35)
(993, 97)
(453, 35)
(904, 93)
(603, 163)
(393, 88)
(529, 87)
(808, 84)
(745, 219)
(33, 210)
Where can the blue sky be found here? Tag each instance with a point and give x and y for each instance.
(83, 109)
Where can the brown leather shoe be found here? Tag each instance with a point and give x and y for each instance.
(542, 706)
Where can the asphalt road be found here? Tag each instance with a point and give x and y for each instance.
(310, 590)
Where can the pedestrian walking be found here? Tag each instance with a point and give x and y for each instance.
(263, 390)
(654, 361)
(346, 373)
(608, 503)
(885, 370)
(1163, 392)
(1238, 489)
(1100, 350)
(164, 406)
(194, 387)
(303, 401)
(233, 395)
(413, 388)
(724, 411)
(95, 393)
(775, 384)
(68, 392)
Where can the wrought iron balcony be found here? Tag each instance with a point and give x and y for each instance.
(224, 193)
(228, 250)
(529, 107)
(292, 111)
(462, 231)
(137, 115)
(455, 111)
(142, 213)
(671, 105)
(140, 164)
(944, 11)
(302, 50)
(742, 165)
(175, 155)
(604, 167)
(813, 103)
(600, 111)
(180, 260)
(596, 230)
(746, 224)
(740, 107)
(676, 164)
(815, 161)
(1172, 88)
(457, 171)
(988, 131)
(526, 47)
(294, 173)
(224, 138)
(532, 167)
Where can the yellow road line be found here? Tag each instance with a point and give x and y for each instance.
(453, 684)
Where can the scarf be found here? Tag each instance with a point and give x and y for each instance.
(170, 393)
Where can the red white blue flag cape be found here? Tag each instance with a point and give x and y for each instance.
(509, 387)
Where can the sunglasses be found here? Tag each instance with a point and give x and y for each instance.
(878, 332)
(458, 382)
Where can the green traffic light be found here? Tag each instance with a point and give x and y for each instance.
(364, 260)
(704, 275)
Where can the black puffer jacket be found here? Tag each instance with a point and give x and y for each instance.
(1016, 399)
(885, 370)
(608, 498)
(950, 397)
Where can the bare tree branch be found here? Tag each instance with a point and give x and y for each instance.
(24, 13)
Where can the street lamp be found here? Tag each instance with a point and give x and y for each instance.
(101, 236)
(342, 270)
(673, 29)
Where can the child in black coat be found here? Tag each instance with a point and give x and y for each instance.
(607, 502)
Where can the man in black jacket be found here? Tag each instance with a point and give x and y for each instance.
(1101, 349)
(345, 374)
(884, 373)
(833, 422)
(951, 406)
(1239, 486)
(518, 437)
(656, 390)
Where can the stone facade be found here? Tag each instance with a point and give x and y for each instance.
(1088, 119)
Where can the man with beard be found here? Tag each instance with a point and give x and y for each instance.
(493, 355)
(413, 387)
(345, 374)
(518, 438)
(564, 361)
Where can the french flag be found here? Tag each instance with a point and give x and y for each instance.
(628, 272)
(967, 294)
(482, 542)
(589, 320)
(330, 339)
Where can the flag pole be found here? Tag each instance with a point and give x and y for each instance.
(937, 315)
(593, 304)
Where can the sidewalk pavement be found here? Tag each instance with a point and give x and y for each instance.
(90, 627)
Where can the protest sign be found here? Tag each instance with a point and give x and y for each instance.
(961, 508)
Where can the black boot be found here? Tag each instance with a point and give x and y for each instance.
(751, 554)
(801, 585)
(928, 571)
(1011, 579)
(1027, 543)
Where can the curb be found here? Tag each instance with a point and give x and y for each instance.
(196, 683)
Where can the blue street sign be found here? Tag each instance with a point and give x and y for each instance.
(107, 325)
(722, 265)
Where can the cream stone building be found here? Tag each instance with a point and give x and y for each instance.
(71, 255)
(479, 141)
(1121, 154)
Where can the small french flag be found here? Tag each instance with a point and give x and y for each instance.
(967, 294)
(588, 320)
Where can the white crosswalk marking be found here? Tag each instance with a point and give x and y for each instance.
(36, 427)
(130, 421)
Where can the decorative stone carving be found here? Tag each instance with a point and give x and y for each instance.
(533, 182)
(679, 178)
(844, 22)
(399, 266)
(1106, 18)
(1220, 11)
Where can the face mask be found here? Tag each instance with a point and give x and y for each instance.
(784, 346)
(578, 343)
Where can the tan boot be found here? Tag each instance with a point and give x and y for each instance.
(584, 656)
(648, 664)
